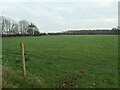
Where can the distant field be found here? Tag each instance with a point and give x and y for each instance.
(85, 61)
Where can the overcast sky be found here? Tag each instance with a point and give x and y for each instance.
(59, 15)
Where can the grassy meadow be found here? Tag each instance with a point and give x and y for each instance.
(76, 61)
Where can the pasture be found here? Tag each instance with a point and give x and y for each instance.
(76, 61)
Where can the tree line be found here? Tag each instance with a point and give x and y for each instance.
(9, 27)
(22, 27)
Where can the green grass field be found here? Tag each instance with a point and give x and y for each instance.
(81, 61)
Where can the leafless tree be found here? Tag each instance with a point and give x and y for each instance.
(7, 25)
(14, 29)
(10, 27)
(2, 25)
(23, 26)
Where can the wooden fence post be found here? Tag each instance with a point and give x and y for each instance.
(23, 60)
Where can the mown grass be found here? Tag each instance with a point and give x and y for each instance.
(58, 61)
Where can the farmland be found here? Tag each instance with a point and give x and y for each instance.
(76, 61)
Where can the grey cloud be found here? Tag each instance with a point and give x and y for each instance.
(62, 16)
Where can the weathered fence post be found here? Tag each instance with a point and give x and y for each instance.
(23, 60)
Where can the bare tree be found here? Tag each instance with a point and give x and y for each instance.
(6, 25)
(2, 26)
(14, 29)
(23, 26)
(10, 27)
